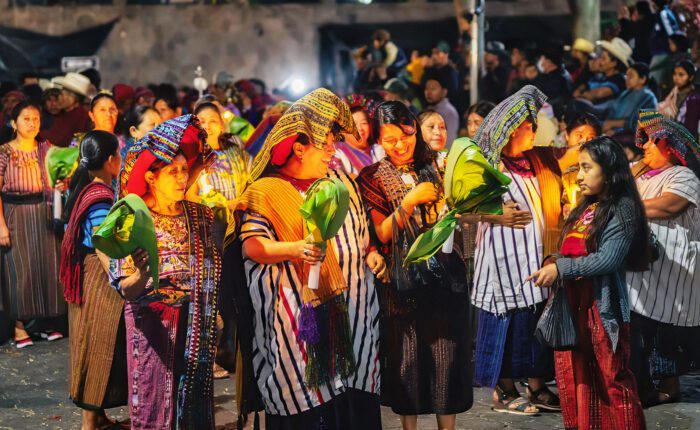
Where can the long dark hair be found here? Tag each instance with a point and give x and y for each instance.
(135, 117)
(226, 140)
(95, 150)
(396, 113)
(619, 186)
(19, 107)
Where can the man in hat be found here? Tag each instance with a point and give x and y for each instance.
(73, 117)
(615, 57)
(581, 52)
(554, 81)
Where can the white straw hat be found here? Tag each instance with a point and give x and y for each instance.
(75, 82)
(618, 48)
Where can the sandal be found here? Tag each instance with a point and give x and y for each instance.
(551, 402)
(23, 343)
(51, 335)
(518, 405)
(220, 372)
(656, 397)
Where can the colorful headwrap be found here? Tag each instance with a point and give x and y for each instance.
(653, 126)
(505, 118)
(183, 133)
(313, 116)
(360, 101)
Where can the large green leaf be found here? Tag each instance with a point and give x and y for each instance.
(472, 185)
(129, 226)
(61, 163)
(325, 207)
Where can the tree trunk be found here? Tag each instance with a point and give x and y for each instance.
(586, 14)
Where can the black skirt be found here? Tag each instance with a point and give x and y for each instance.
(351, 410)
(662, 350)
(425, 349)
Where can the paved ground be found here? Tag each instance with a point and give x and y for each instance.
(33, 396)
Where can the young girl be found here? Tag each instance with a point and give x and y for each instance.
(683, 77)
(602, 237)
(95, 310)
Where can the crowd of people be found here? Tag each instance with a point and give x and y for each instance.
(599, 147)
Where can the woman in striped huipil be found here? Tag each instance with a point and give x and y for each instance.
(30, 249)
(509, 248)
(332, 381)
(664, 300)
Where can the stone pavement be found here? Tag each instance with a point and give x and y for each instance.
(33, 395)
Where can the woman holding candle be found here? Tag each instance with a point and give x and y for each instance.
(223, 181)
(298, 384)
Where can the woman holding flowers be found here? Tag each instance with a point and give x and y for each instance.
(425, 334)
(309, 355)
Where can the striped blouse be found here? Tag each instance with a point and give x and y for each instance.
(669, 291)
(20, 170)
(275, 289)
(505, 257)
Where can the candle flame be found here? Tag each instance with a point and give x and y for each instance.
(204, 186)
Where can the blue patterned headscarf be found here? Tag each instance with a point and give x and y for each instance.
(505, 118)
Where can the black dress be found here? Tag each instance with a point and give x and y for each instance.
(425, 336)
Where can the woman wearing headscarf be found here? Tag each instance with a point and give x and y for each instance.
(425, 326)
(170, 328)
(509, 248)
(665, 311)
(304, 378)
(95, 310)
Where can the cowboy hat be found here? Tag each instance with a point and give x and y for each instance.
(75, 82)
(618, 48)
(583, 45)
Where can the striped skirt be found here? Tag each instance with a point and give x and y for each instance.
(506, 348)
(97, 343)
(30, 266)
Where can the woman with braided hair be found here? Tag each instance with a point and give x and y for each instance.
(95, 310)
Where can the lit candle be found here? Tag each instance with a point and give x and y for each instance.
(204, 186)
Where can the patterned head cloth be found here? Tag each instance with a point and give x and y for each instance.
(314, 116)
(649, 121)
(505, 118)
(182, 134)
(653, 126)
